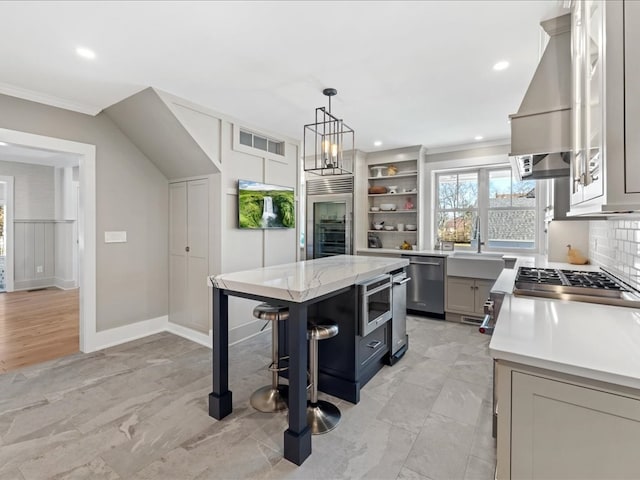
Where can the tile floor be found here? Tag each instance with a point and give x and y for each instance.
(139, 411)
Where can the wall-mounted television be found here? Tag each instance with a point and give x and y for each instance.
(265, 206)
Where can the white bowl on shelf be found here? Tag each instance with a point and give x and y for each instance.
(387, 207)
(389, 227)
(375, 209)
(378, 226)
(410, 227)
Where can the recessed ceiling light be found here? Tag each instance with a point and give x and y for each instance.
(501, 65)
(2, 144)
(86, 53)
(478, 137)
(377, 143)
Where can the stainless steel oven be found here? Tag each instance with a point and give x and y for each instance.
(375, 298)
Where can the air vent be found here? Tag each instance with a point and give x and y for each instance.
(259, 142)
(333, 184)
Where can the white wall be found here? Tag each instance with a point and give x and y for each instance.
(34, 190)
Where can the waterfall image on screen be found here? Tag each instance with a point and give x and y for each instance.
(265, 206)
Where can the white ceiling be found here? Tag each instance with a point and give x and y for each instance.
(407, 73)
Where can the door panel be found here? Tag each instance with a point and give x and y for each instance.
(189, 230)
(198, 258)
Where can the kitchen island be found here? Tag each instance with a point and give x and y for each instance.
(297, 286)
(567, 386)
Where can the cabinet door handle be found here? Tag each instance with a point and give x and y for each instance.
(186, 249)
(374, 344)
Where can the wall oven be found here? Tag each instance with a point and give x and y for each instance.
(374, 309)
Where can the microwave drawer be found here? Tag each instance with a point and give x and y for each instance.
(370, 346)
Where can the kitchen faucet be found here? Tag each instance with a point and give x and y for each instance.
(476, 233)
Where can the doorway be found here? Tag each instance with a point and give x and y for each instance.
(86, 225)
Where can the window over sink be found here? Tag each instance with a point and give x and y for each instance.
(508, 208)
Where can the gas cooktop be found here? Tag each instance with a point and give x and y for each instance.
(594, 287)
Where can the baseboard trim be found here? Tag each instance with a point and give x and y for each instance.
(65, 284)
(35, 283)
(246, 331)
(193, 335)
(127, 333)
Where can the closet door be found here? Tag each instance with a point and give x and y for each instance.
(178, 273)
(189, 254)
(198, 254)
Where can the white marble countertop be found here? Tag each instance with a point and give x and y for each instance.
(397, 251)
(584, 339)
(309, 279)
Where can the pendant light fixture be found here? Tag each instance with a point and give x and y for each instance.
(328, 143)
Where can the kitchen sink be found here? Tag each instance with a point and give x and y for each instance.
(475, 265)
(476, 254)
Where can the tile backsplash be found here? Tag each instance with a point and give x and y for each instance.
(615, 245)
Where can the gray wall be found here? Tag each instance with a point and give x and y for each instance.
(131, 195)
(33, 189)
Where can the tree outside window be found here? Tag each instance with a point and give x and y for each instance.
(506, 206)
(457, 206)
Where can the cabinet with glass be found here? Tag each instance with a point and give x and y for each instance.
(393, 203)
(605, 166)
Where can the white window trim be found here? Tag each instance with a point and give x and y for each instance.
(256, 152)
(483, 164)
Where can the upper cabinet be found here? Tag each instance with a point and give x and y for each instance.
(605, 166)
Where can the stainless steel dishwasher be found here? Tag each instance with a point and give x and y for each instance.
(425, 292)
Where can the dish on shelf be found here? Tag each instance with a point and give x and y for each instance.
(378, 226)
(378, 189)
(410, 227)
(375, 209)
(389, 227)
(409, 190)
(377, 171)
(393, 188)
(387, 207)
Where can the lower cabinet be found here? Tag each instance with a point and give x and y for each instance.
(557, 426)
(347, 361)
(467, 295)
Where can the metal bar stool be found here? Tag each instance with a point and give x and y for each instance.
(322, 416)
(271, 398)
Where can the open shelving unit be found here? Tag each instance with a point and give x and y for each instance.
(406, 181)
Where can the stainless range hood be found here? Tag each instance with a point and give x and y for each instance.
(541, 130)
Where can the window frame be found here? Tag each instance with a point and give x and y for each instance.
(483, 208)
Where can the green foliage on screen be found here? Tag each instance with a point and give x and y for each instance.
(251, 208)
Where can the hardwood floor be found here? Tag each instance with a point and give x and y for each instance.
(37, 326)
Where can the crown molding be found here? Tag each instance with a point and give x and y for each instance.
(51, 100)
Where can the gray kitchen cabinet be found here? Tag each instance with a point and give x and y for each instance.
(466, 296)
(557, 426)
(605, 165)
